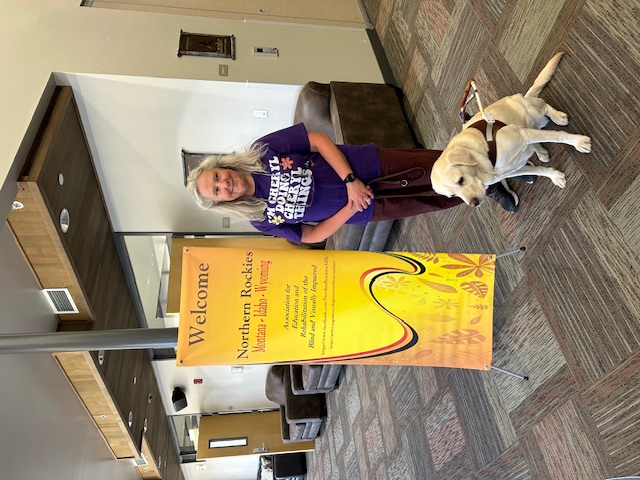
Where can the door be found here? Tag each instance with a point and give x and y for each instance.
(236, 434)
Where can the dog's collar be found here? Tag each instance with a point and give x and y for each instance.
(489, 130)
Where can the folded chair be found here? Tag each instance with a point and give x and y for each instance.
(306, 379)
(301, 416)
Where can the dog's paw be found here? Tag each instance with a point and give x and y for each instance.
(542, 154)
(560, 118)
(583, 144)
(559, 179)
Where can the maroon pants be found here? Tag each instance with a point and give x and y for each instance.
(407, 189)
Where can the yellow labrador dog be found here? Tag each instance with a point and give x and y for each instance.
(465, 169)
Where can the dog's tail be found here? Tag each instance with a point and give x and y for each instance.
(545, 75)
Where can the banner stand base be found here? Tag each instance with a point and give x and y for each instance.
(521, 377)
(513, 252)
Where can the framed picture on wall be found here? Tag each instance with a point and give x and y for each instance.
(206, 45)
(191, 160)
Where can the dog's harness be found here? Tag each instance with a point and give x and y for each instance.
(489, 126)
(489, 129)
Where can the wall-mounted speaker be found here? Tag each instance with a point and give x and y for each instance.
(179, 399)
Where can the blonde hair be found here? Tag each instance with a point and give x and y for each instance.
(248, 162)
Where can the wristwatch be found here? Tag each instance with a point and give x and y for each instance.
(349, 178)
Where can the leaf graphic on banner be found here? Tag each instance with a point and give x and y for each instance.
(440, 287)
(463, 355)
(391, 281)
(479, 289)
(462, 258)
(417, 300)
(422, 353)
(428, 257)
(465, 336)
(468, 265)
(438, 318)
(449, 304)
(428, 301)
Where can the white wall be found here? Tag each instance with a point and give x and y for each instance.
(137, 126)
(147, 254)
(45, 432)
(220, 390)
(224, 468)
(24, 307)
(336, 13)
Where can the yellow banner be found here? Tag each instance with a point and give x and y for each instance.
(243, 306)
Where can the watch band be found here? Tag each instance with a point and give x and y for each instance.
(349, 178)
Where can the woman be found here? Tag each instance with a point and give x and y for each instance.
(301, 186)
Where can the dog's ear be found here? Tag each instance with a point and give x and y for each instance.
(460, 157)
(469, 164)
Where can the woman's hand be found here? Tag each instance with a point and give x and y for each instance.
(360, 195)
(322, 231)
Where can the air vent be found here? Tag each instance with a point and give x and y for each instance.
(60, 300)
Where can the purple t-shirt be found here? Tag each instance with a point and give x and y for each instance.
(300, 186)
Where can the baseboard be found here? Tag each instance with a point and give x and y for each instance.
(381, 57)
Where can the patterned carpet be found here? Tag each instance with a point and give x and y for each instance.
(567, 311)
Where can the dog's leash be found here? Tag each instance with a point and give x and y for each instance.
(402, 183)
(466, 99)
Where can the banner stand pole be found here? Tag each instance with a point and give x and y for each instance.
(126, 339)
(521, 377)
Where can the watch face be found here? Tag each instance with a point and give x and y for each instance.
(349, 178)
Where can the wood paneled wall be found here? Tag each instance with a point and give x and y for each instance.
(85, 260)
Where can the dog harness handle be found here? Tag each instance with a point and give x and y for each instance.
(466, 98)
